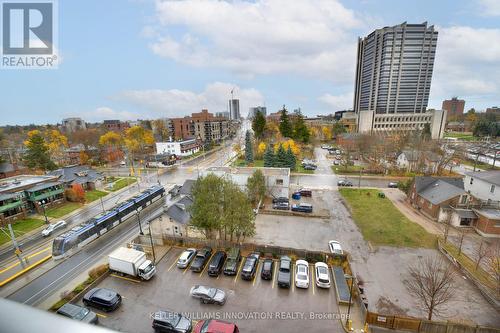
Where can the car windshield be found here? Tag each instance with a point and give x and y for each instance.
(301, 277)
(80, 315)
(322, 270)
(148, 268)
(249, 264)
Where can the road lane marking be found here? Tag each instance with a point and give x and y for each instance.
(125, 278)
(41, 261)
(28, 257)
(293, 277)
(101, 315)
(239, 269)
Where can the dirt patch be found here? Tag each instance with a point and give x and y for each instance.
(384, 305)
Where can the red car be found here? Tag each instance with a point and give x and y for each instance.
(215, 326)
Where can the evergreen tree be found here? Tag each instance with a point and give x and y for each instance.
(292, 161)
(259, 124)
(285, 125)
(269, 156)
(37, 154)
(281, 160)
(248, 148)
(300, 130)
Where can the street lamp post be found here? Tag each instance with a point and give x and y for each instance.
(348, 320)
(139, 221)
(151, 240)
(42, 203)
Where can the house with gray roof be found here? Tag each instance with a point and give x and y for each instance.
(78, 174)
(433, 196)
(414, 161)
(177, 217)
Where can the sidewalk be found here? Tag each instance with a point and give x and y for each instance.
(357, 321)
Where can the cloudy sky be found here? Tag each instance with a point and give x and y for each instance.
(150, 59)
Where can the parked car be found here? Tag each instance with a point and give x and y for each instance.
(305, 192)
(267, 269)
(171, 322)
(393, 185)
(310, 167)
(232, 262)
(335, 247)
(302, 274)
(280, 199)
(284, 272)
(201, 259)
(302, 207)
(281, 205)
(296, 196)
(53, 227)
(215, 265)
(213, 325)
(250, 266)
(326, 147)
(346, 183)
(186, 257)
(77, 312)
(322, 275)
(336, 162)
(102, 298)
(208, 295)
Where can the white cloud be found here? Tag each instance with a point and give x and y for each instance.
(338, 102)
(467, 65)
(178, 103)
(490, 7)
(103, 112)
(311, 38)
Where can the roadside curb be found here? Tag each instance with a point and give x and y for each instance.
(15, 276)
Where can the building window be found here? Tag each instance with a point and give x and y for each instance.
(463, 199)
(492, 189)
(279, 181)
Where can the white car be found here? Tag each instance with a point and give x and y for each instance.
(335, 247)
(186, 257)
(322, 275)
(301, 274)
(53, 227)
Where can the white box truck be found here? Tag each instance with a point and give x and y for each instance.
(131, 262)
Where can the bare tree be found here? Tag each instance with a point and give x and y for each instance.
(431, 283)
(481, 252)
(447, 225)
(462, 235)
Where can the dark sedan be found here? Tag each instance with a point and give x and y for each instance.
(171, 322)
(250, 266)
(102, 298)
(267, 269)
(78, 313)
(215, 265)
(201, 259)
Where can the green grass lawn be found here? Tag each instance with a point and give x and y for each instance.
(242, 163)
(121, 183)
(94, 195)
(381, 223)
(460, 136)
(300, 169)
(62, 210)
(20, 228)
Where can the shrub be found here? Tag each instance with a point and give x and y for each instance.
(95, 272)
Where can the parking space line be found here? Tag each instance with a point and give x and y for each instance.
(313, 281)
(187, 267)
(206, 264)
(175, 261)
(101, 315)
(293, 277)
(275, 273)
(256, 273)
(239, 269)
(125, 278)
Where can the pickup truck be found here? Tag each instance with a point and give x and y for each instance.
(284, 272)
(232, 262)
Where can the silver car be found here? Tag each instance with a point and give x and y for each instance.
(53, 227)
(208, 295)
(78, 313)
(186, 257)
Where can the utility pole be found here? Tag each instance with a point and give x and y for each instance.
(151, 240)
(139, 221)
(18, 252)
(475, 161)
(102, 204)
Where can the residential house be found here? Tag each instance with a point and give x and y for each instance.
(434, 196)
(74, 154)
(418, 161)
(175, 221)
(87, 177)
(277, 179)
(179, 148)
(483, 185)
(488, 221)
(11, 169)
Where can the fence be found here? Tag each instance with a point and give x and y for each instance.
(424, 326)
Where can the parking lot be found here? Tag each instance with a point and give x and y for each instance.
(255, 306)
